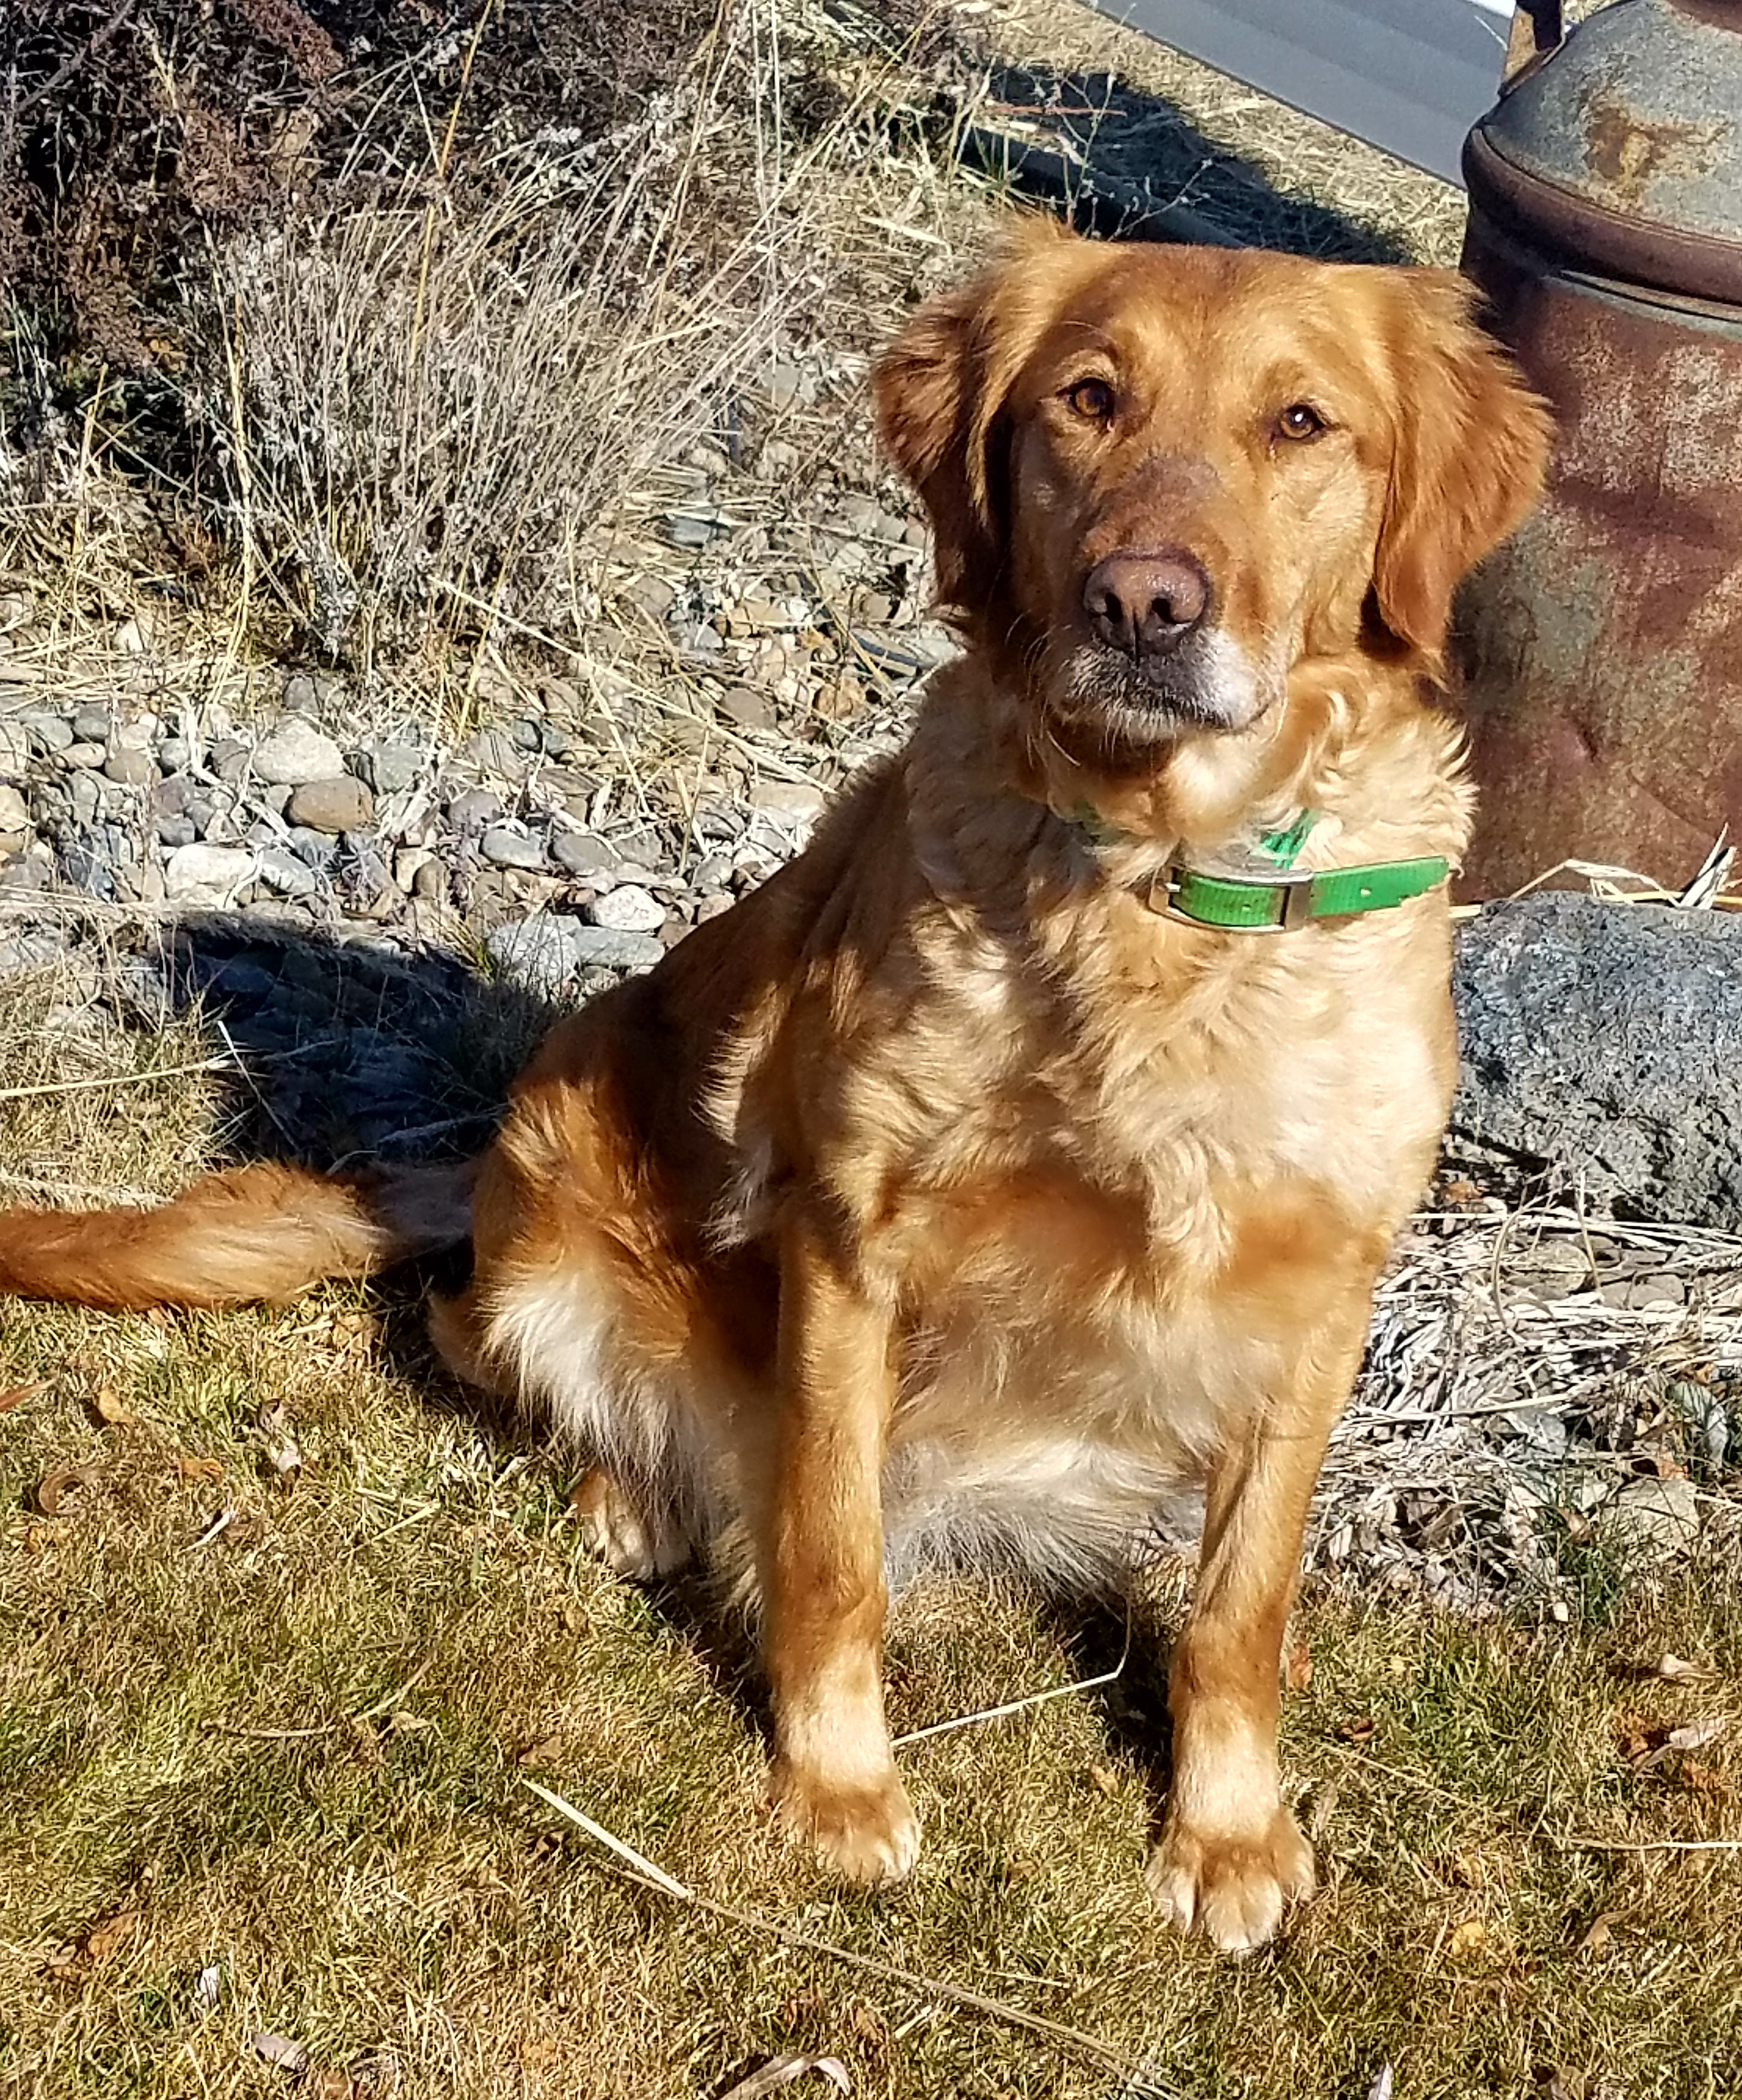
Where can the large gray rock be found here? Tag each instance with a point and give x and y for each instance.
(1607, 1039)
(1654, 1519)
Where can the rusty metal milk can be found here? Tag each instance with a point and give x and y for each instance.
(1603, 647)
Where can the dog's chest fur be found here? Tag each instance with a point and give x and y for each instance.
(1063, 1153)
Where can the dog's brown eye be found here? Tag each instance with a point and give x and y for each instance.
(1300, 420)
(1092, 400)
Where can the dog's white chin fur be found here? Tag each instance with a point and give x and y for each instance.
(1218, 690)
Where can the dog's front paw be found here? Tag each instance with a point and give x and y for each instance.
(1235, 1888)
(636, 1544)
(867, 1832)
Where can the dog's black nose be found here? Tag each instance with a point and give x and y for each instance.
(1146, 604)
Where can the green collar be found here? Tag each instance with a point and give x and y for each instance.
(1271, 895)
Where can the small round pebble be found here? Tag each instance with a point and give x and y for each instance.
(130, 766)
(207, 874)
(581, 853)
(49, 732)
(628, 909)
(340, 803)
(296, 753)
(475, 808)
(504, 847)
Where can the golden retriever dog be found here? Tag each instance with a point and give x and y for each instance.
(1029, 1145)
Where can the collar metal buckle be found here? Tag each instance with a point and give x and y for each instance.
(1295, 884)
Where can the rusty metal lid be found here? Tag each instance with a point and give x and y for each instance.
(1618, 146)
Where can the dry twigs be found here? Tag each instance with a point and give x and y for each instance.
(1140, 2086)
(1502, 1339)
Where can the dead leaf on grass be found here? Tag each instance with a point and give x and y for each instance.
(111, 1408)
(353, 1334)
(1673, 1670)
(98, 1945)
(1104, 1779)
(1599, 1933)
(1700, 1778)
(1695, 1735)
(279, 2050)
(869, 2025)
(325, 2083)
(1359, 1732)
(215, 1527)
(366, 1743)
(53, 1488)
(208, 1988)
(15, 1396)
(1300, 1667)
(1647, 1746)
(103, 1940)
(199, 1469)
(282, 1453)
(780, 2070)
(547, 1750)
(1468, 1938)
(1324, 1808)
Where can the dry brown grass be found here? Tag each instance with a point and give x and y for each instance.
(425, 412)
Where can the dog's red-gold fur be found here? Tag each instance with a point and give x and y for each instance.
(943, 1198)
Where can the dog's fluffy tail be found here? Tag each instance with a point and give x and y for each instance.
(256, 1232)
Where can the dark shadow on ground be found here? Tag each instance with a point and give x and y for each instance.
(345, 1052)
(347, 1055)
(1138, 1642)
(1124, 164)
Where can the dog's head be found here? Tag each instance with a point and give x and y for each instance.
(1162, 477)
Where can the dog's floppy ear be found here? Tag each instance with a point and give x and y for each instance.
(1470, 452)
(941, 387)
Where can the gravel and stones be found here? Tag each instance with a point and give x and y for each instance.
(549, 953)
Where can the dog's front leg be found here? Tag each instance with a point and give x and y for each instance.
(1230, 1855)
(821, 1553)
